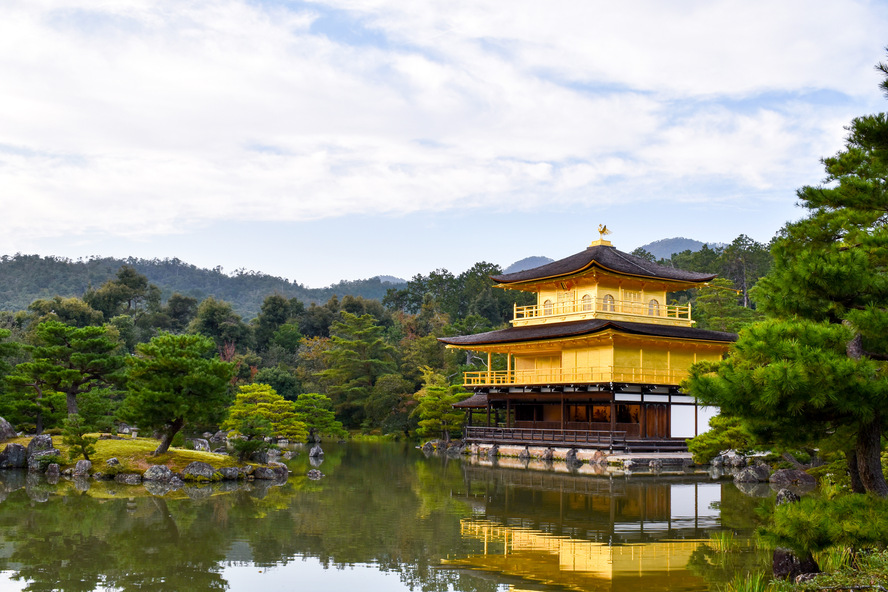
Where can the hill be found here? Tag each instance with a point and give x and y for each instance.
(24, 278)
(664, 248)
(527, 263)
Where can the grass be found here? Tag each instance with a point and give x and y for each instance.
(135, 456)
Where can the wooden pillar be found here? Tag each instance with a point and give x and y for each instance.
(488, 368)
(613, 412)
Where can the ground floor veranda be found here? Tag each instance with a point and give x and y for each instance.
(605, 415)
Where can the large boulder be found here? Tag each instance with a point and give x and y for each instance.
(219, 437)
(265, 473)
(199, 471)
(753, 474)
(229, 473)
(158, 473)
(785, 496)
(37, 462)
(82, 468)
(14, 456)
(7, 432)
(39, 444)
(280, 470)
(787, 565)
(786, 477)
(316, 451)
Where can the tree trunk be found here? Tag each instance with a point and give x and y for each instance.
(854, 472)
(168, 436)
(869, 460)
(71, 400)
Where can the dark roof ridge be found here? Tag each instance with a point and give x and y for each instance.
(607, 257)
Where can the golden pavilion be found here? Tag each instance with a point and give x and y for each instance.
(597, 362)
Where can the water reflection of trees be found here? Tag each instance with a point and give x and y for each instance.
(377, 505)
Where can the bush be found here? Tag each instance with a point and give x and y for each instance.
(45, 461)
(179, 440)
(726, 433)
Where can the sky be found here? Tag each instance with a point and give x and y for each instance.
(343, 139)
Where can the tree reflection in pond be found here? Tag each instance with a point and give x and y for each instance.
(379, 505)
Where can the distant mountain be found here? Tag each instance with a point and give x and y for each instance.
(664, 249)
(390, 279)
(527, 263)
(24, 278)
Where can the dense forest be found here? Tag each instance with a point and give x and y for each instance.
(25, 278)
(373, 355)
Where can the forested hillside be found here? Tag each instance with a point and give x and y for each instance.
(25, 278)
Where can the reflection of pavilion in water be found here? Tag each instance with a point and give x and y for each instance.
(588, 534)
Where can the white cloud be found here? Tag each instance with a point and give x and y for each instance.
(143, 118)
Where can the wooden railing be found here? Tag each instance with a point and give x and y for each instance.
(593, 305)
(530, 436)
(574, 376)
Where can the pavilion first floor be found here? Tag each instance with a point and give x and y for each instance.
(605, 415)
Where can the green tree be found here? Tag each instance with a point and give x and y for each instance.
(173, 380)
(358, 356)
(817, 369)
(437, 417)
(75, 436)
(70, 360)
(717, 307)
(261, 401)
(71, 311)
(180, 310)
(316, 412)
(217, 320)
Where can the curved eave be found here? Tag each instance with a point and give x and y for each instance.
(518, 285)
(581, 329)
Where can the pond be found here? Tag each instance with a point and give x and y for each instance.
(384, 517)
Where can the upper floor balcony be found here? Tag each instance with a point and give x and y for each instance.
(542, 376)
(606, 307)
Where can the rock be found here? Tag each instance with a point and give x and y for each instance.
(158, 473)
(571, 458)
(112, 462)
(176, 483)
(753, 474)
(316, 451)
(787, 565)
(247, 469)
(628, 465)
(736, 461)
(524, 454)
(69, 472)
(280, 470)
(219, 437)
(34, 459)
(199, 471)
(199, 444)
(220, 450)
(656, 465)
(14, 456)
(264, 473)
(755, 489)
(39, 444)
(785, 496)
(274, 453)
(492, 452)
(53, 471)
(207, 435)
(785, 477)
(548, 454)
(259, 457)
(428, 448)
(158, 488)
(314, 474)
(123, 428)
(99, 476)
(599, 458)
(229, 473)
(82, 468)
(7, 432)
(128, 478)
(288, 454)
(718, 461)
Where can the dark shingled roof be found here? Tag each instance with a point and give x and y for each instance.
(473, 402)
(579, 328)
(606, 258)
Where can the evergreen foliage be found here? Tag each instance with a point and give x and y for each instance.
(316, 412)
(434, 409)
(257, 404)
(174, 380)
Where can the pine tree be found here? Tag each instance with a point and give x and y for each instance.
(818, 368)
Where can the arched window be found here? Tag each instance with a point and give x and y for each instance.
(653, 308)
(586, 302)
(547, 307)
(607, 303)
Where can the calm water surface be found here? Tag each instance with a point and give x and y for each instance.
(383, 518)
